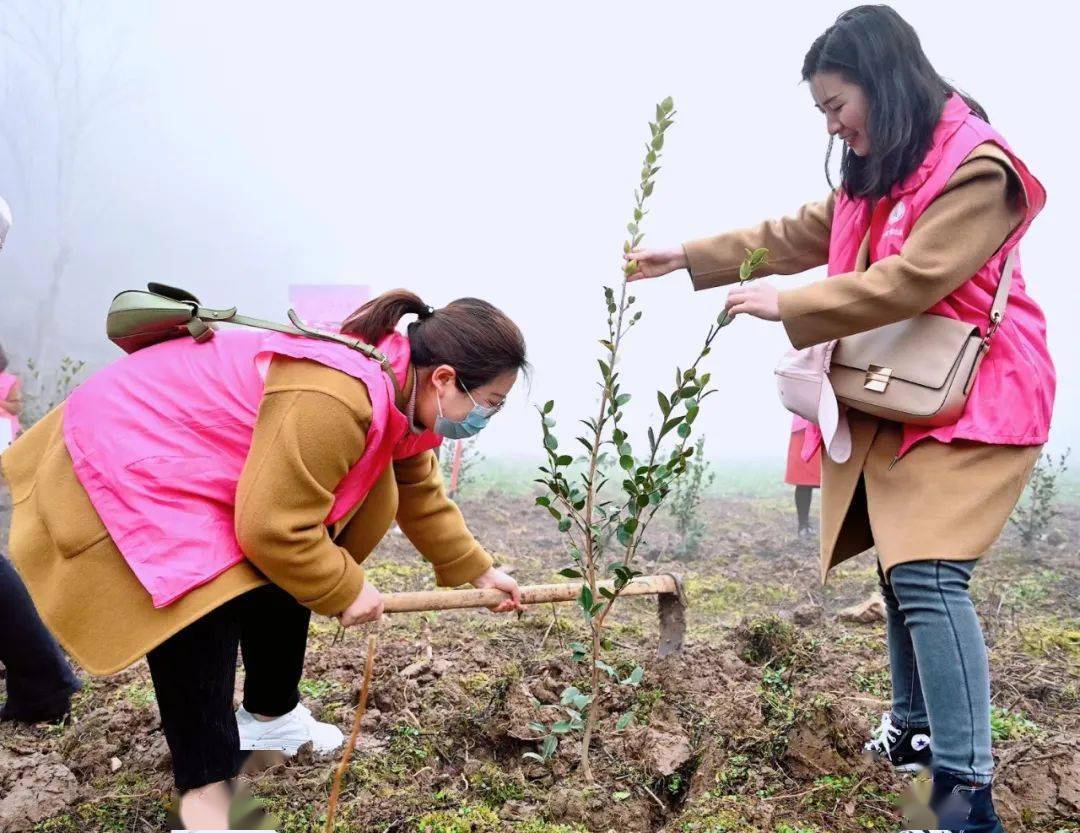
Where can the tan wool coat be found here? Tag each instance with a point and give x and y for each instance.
(940, 501)
(310, 431)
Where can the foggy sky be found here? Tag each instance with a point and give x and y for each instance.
(491, 149)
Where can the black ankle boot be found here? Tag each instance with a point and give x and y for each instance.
(963, 808)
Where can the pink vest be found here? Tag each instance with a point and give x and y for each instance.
(159, 439)
(7, 382)
(1013, 396)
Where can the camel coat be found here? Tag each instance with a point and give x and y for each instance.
(940, 501)
(310, 431)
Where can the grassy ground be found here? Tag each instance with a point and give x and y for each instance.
(755, 726)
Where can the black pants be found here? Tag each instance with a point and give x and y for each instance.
(194, 675)
(39, 680)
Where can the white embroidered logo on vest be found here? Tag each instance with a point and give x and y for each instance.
(897, 214)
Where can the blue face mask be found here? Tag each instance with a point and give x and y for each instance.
(473, 424)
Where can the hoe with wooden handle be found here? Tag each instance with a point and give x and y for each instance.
(671, 607)
(667, 588)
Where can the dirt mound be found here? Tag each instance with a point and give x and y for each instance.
(1039, 783)
(33, 787)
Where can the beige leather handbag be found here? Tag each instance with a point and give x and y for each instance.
(919, 371)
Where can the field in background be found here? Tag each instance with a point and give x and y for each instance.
(750, 478)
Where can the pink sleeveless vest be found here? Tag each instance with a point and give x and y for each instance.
(159, 439)
(1012, 399)
(7, 382)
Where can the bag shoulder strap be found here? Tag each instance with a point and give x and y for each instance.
(1001, 296)
(298, 328)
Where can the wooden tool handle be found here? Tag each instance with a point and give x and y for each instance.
(530, 595)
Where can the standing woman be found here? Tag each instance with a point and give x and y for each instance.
(39, 681)
(932, 200)
(193, 499)
(803, 474)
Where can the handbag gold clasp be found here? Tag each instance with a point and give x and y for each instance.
(877, 378)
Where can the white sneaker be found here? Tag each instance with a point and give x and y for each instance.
(288, 732)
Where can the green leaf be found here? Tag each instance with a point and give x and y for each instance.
(586, 600)
(626, 461)
(670, 424)
(622, 399)
(555, 513)
(543, 501)
(570, 572)
(658, 141)
(532, 756)
(551, 743)
(568, 695)
(565, 524)
(564, 460)
(649, 187)
(667, 105)
(684, 430)
(624, 721)
(624, 575)
(607, 594)
(539, 728)
(665, 405)
(551, 442)
(549, 406)
(607, 669)
(632, 228)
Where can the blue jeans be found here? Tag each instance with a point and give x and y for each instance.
(937, 656)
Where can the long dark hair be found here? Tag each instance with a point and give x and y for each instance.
(3, 359)
(874, 47)
(475, 338)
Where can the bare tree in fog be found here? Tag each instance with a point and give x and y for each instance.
(59, 76)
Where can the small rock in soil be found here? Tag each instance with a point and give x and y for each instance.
(871, 610)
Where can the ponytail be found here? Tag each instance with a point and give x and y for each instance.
(380, 316)
(474, 337)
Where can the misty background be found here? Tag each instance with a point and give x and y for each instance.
(485, 149)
